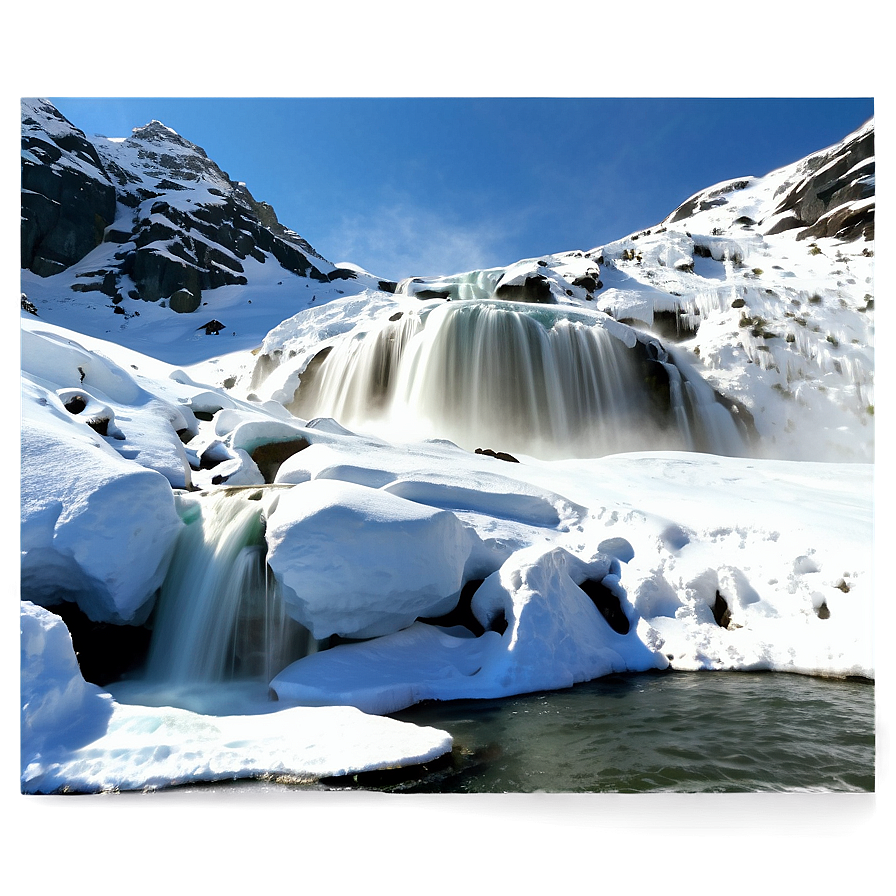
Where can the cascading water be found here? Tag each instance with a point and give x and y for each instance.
(479, 285)
(219, 615)
(539, 380)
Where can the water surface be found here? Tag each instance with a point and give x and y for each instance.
(666, 732)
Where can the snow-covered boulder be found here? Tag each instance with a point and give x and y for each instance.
(567, 620)
(96, 529)
(60, 711)
(99, 394)
(360, 562)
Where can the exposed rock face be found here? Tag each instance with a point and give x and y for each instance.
(704, 201)
(533, 289)
(67, 198)
(181, 225)
(830, 194)
(830, 200)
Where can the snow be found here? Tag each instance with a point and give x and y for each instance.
(59, 709)
(554, 638)
(138, 425)
(77, 738)
(96, 528)
(400, 560)
(572, 568)
(776, 539)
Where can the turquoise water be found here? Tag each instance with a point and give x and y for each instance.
(668, 732)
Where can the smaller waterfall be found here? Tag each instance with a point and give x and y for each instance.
(219, 614)
(473, 285)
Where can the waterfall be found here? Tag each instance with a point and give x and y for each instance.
(219, 616)
(478, 285)
(541, 380)
(357, 377)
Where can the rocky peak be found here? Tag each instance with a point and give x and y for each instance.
(67, 197)
(157, 131)
(163, 220)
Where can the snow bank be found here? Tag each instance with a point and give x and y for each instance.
(360, 562)
(714, 563)
(99, 394)
(555, 636)
(95, 528)
(75, 738)
(60, 711)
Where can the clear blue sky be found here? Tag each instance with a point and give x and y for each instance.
(429, 186)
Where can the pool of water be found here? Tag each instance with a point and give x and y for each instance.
(665, 732)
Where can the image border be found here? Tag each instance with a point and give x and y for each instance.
(329, 843)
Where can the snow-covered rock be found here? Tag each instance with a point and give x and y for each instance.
(543, 631)
(60, 711)
(96, 529)
(360, 562)
(98, 394)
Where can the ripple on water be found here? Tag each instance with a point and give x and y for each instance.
(681, 732)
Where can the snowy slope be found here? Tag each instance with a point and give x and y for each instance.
(762, 285)
(779, 309)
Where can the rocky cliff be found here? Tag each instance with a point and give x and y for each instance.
(173, 224)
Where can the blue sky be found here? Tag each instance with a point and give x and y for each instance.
(430, 186)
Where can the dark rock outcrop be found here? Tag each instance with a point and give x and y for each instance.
(535, 289)
(269, 456)
(608, 604)
(183, 301)
(499, 455)
(67, 197)
(705, 200)
(823, 202)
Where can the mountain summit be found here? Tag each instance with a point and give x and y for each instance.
(154, 218)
